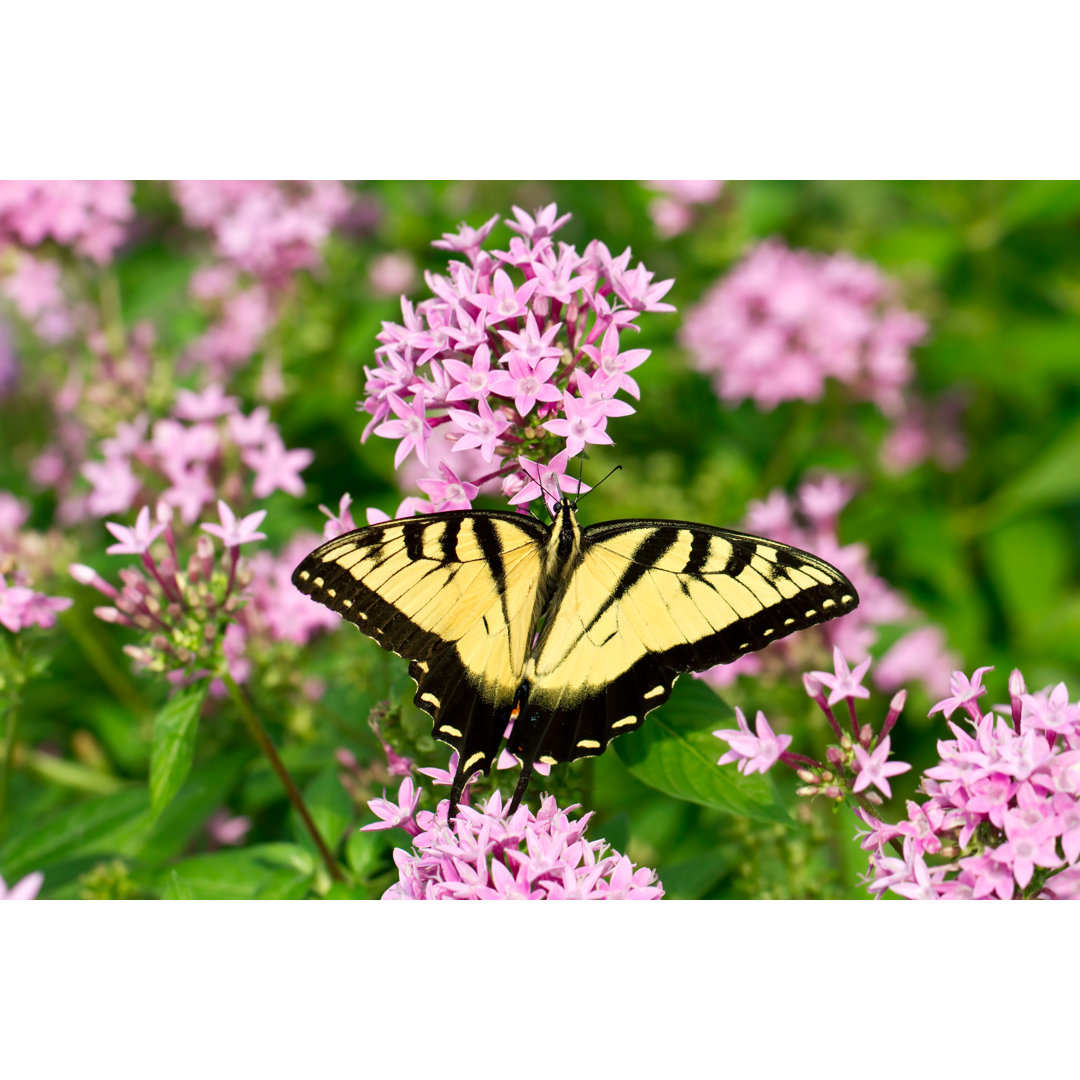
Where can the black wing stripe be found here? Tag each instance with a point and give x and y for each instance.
(649, 550)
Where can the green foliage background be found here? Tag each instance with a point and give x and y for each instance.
(988, 551)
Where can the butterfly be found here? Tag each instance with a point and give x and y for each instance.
(573, 634)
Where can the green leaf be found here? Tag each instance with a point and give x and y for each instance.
(262, 872)
(692, 878)
(207, 788)
(676, 753)
(366, 852)
(1052, 479)
(173, 748)
(1029, 560)
(338, 891)
(90, 827)
(330, 808)
(177, 889)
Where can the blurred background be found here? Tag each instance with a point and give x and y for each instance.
(915, 345)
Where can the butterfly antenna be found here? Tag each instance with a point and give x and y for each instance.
(595, 486)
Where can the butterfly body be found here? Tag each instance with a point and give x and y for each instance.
(575, 634)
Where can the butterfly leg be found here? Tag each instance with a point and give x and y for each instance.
(522, 785)
(526, 738)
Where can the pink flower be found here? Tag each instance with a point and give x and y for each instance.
(754, 753)
(484, 854)
(516, 326)
(88, 215)
(134, 541)
(482, 429)
(114, 486)
(277, 469)
(21, 607)
(473, 381)
(233, 532)
(551, 481)
(580, 424)
(964, 693)
(783, 322)
(411, 427)
(1028, 844)
(25, 889)
(448, 491)
(845, 683)
(875, 768)
(397, 815)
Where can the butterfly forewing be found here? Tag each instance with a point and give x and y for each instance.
(651, 600)
(453, 592)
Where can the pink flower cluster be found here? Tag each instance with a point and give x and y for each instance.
(673, 212)
(268, 228)
(34, 286)
(86, 215)
(783, 321)
(487, 855)
(516, 357)
(1003, 806)
(264, 229)
(213, 613)
(22, 607)
(206, 449)
(859, 761)
(809, 520)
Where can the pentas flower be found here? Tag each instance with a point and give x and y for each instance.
(810, 520)
(219, 612)
(858, 761)
(36, 289)
(270, 229)
(674, 211)
(1001, 814)
(234, 531)
(21, 607)
(783, 322)
(24, 889)
(207, 449)
(754, 753)
(488, 854)
(516, 355)
(88, 216)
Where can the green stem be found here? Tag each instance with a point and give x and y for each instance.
(9, 749)
(112, 675)
(263, 741)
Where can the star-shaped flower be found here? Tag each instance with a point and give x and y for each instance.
(481, 431)
(754, 753)
(876, 768)
(233, 532)
(845, 683)
(964, 694)
(134, 541)
(549, 480)
(411, 427)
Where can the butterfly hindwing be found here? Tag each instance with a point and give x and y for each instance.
(650, 600)
(455, 593)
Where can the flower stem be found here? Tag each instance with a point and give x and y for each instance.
(9, 748)
(263, 741)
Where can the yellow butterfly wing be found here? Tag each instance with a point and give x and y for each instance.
(648, 601)
(456, 593)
